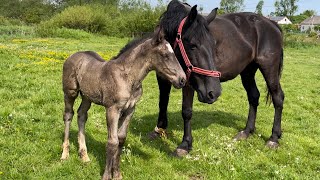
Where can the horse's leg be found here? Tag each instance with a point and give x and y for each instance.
(69, 98)
(113, 114)
(271, 73)
(164, 90)
(122, 135)
(187, 104)
(249, 83)
(82, 119)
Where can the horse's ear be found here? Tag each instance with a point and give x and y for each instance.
(158, 35)
(192, 15)
(212, 15)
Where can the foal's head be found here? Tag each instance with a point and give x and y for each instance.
(164, 61)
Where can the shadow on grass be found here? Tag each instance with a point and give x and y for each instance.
(97, 148)
(200, 120)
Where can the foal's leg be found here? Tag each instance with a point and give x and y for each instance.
(249, 83)
(187, 104)
(82, 119)
(164, 90)
(113, 114)
(69, 98)
(271, 73)
(122, 135)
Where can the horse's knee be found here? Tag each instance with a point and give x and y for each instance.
(72, 93)
(67, 115)
(187, 113)
(114, 142)
(253, 97)
(122, 138)
(278, 99)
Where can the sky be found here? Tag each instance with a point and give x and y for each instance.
(250, 5)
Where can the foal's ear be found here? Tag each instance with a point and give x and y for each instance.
(158, 35)
(212, 15)
(192, 15)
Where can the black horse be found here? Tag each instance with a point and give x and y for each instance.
(241, 43)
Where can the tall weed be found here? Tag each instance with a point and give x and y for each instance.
(299, 40)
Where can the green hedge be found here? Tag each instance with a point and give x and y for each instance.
(106, 20)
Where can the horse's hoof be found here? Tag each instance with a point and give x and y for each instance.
(106, 176)
(241, 136)
(158, 132)
(180, 152)
(64, 156)
(85, 159)
(84, 156)
(117, 175)
(153, 135)
(272, 144)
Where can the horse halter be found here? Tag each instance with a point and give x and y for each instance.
(190, 67)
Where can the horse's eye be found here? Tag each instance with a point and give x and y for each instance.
(193, 46)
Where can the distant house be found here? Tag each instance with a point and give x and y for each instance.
(310, 23)
(280, 19)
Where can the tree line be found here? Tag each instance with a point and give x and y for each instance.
(116, 17)
(282, 8)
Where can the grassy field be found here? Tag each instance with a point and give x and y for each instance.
(31, 125)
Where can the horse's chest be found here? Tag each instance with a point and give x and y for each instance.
(133, 99)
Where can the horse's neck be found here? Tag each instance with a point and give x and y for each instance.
(135, 65)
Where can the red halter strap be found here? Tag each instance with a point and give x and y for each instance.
(190, 67)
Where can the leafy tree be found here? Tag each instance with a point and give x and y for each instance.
(30, 11)
(231, 6)
(259, 7)
(309, 13)
(301, 17)
(298, 19)
(286, 7)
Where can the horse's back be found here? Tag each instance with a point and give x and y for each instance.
(253, 28)
(241, 38)
(84, 56)
(80, 67)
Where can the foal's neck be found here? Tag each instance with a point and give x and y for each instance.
(135, 64)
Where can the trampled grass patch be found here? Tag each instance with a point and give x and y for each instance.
(31, 125)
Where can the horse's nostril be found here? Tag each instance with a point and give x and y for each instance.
(182, 81)
(211, 95)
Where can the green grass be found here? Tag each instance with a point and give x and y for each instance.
(31, 125)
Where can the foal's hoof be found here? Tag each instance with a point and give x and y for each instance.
(272, 144)
(64, 156)
(180, 152)
(85, 159)
(84, 156)
(241, 136)
(117, 176)
(106, 176)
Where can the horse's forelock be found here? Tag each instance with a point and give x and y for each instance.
(171, 19)
(198, 29)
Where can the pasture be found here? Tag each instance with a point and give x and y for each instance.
(31, 125)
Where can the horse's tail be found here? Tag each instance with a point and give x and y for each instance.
(269, 98)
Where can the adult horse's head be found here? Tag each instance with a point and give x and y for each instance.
(198, 44)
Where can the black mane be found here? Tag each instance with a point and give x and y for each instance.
(132, 44)
(172, 17)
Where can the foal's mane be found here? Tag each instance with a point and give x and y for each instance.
(132, 44)
(172, 17)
